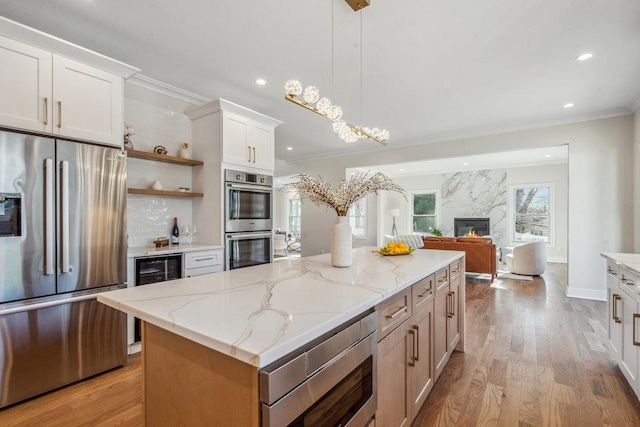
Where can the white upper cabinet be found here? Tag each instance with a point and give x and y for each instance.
(51, 86)
(88, 102)
(244, 138)
(247, 143)
(25, 85)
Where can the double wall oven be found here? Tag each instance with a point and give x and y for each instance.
(248, 219)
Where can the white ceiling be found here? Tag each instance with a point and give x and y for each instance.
(429, 70)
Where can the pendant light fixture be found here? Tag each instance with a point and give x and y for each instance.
(312, 101)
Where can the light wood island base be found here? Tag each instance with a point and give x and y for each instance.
(186, 383)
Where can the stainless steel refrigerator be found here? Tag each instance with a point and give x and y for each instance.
(62, 241)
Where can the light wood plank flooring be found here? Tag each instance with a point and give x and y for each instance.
(534, 358)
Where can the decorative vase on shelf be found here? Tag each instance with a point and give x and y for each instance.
(185, 153)
(341, 239)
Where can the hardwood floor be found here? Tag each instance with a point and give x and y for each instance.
(534, 358)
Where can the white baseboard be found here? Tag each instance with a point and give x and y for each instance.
(592, 294)
(558, 259)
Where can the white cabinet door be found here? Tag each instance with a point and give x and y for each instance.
(263, 144)
(614, 323)
(88, 102)
(25, 86)
(629, 357)
(235, 140)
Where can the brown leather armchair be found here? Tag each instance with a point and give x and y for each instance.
(480, 252)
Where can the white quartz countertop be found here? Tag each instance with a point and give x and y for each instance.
(171, 249)
(630, 261)
(262, 313)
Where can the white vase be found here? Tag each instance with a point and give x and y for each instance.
(341, 254)
(185, 153)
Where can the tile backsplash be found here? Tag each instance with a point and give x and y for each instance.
(149, 217)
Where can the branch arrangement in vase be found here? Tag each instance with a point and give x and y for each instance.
(346, 193)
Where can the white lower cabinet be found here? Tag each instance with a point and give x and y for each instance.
(203, 262)
(623, 301)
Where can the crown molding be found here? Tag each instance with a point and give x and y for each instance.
(31, 36)
(157, 92)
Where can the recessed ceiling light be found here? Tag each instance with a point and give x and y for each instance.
(289, 148)
(261, 82)
(401, 170)
(568, 105)
(584, 56)
(547, 155)
(465, 164)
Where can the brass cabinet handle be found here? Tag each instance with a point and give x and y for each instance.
(412, 362)
(59, 114)
(611, 272)
(635, 316)
(249, 148)
(46, 110)
(254, 154)
(614, 301)
(416, 347)
(450, 304)
(397, 313)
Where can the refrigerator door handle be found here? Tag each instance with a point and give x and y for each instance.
(48, 217)
(64, 216)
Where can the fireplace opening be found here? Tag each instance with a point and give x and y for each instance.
(471, 227)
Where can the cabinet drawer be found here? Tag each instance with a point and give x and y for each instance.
(629, 283)
(422, 293)
(202, 259)
(613, 269)
(392, 312)
(442, 279)
(203, 270)
(455, 268)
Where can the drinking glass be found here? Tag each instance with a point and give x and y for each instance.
(194, 234)
(186, 232)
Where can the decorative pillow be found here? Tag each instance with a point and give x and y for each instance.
(412, 240)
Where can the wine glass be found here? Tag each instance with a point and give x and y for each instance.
(186, 231)
(194, 234)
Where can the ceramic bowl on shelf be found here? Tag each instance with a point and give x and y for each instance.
(184, 189)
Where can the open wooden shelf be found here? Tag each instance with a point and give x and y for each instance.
(163, 158)
(163, 193)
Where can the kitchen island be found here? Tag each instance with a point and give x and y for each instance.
(206, 337)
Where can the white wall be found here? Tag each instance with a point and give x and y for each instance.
(149, 217)
(600, 188)
(636, 181)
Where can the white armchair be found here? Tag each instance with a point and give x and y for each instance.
(529, 258)
(412, 240)
(280, 243)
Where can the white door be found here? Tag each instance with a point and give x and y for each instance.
(25, 86)
(88, 103)
(263, 141)
(235, 140)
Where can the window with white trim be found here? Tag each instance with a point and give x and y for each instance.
(295, 217)
(531, 212)
(358, 218)
(424, 211)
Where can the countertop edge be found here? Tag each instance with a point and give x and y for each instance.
(144, 251)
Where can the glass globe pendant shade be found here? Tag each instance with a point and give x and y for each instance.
(311, 95)
(324, 106)
(293, 87)
(335, 113)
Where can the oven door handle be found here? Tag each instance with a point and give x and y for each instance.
(248, 235)
(255, 188)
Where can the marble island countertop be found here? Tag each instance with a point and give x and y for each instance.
(260, 314)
